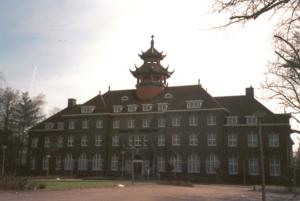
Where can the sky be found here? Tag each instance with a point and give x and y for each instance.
(76, 48)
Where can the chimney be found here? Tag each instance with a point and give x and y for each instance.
(71, 102)
(250, 92)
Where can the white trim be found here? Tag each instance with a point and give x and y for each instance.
(256, 125)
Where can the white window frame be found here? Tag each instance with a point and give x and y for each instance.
(252, 139)
(99, 123)
(146, 123)
(45, 163)
(161, 122)
(60, 125)
(212, 139)
(251, 120)
(130, 123)
(114, 163)
(193, 163)
(193, 139)
(98, 140)
(273, 140)
(97, 162)
(193, 120)
(160, 164)
(232, 140)
(232, 120)
(87, 109)
(176, 121)
(117, 108)
(85, 124)
(211, 164)
(82, 162)
(115, 141)
(34, 142)
(58, 163)
(274, 166)
(176, 162)
(194, 104)
(84, 141)
(68, 162)
(116, 123)
(147, 107)
(71, 124)
(49, 126)
(161, 140)
(32, 163)
(162, 107)
(132, 107)
(211, 120)
(253, 167)
(137, 140)
(176, 140)
(60, 141)
(233, 166)
(70, 141)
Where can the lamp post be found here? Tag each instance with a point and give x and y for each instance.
(260, 115)
(48, 156)
(3, 159)
(123, 153)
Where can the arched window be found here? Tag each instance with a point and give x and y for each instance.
(68, 163)
(193, 163)
(160, 164)
(82, 162)
(97, 162)
(212, 164)
(176, 163)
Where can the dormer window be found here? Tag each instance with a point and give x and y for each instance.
(232, 120)
(117, 108)
(86, 109)
(251, 120)
(161, 107)
(49, 126)
(168, 96)
(147, 107)
(131, 108)
(124, 98)
(193, 104)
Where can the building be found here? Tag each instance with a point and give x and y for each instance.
(179, 131)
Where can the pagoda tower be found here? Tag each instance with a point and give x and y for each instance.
(151, 75)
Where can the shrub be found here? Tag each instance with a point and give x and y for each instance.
(16, 183)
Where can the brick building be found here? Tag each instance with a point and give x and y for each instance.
(158, 129)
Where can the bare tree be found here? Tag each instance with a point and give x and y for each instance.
(283, 74)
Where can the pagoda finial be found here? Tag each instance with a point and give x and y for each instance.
(152, 41)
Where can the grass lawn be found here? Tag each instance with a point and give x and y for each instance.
(53, 184)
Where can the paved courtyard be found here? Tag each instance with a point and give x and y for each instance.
(148, 192)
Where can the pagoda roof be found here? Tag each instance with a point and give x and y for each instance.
(152, 53)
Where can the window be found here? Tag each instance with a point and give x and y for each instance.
(99, 123)
(32, 163)
(273, 140)
(124, 98)
(145, 140)
(161, 107)
(45, 163)
(194, 104)
(47, 142)
(160, 164)
(168, 96)
(60, 141)
(253, 167)
(116, 123)
(82, 162)
(71, 124)
(233, 166)
(146, 123)
(70, 142)
(147, 107)
(161, 123)
(176, 121)
(132, 108)
(34, 142)
(97, 162)
(60, 125)
(193, 140)
(85, 124)
(232, 120)
(68, 163)
(212, 139)
(115, 141)
(130, 123)
(274, 167)
(211, 120)
(176, 162)
(251, 120)
(49, 126)
(176, 140)
(232, 140)
(117, 108)
(137, 140)
(161, 140)
(193, 120)
(98, 140)
(114, 163)
(212, 164)
(87, 109)
(84, 141)
(58, 163)
(193, 163)
(252, 140)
